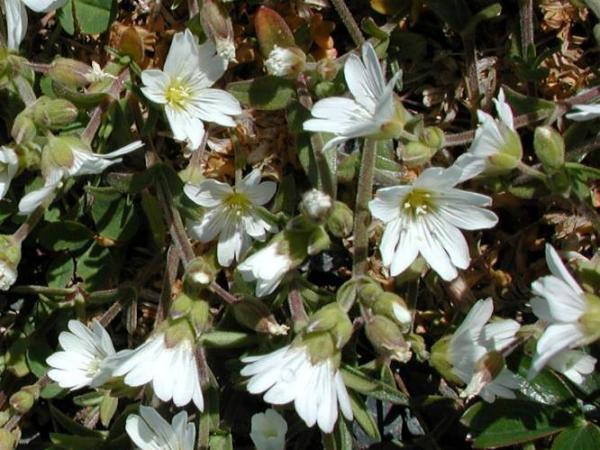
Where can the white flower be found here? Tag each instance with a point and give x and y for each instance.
(475, 353)
(231, 214)
(67, 156)
(285, 62)
(267, 267)
(171, 369)
(581, 113)
(426, 218)
(573, 364)
(268, 430)
(570, 313)
(9, 164)
(16, 17)
(496, 141)
(183, 88)
(83, 359)
(149, 431)
(370, 113)
(288, 374)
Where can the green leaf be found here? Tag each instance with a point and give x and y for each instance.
(91, 16)
(65, 17)
(363, 417)
(586, 437)
(524, 104)
(68, 442)
(340, 439)
(71, 426)
(489, 12)
(60, 271)
(132, 183)
(83, 100)
(594, 5)
(360, 382)
(66, 235)
(227, 339)
(271, 30)
(268, 93)
(37, 352)
(511, 422)
(96, 266)
(114, 215)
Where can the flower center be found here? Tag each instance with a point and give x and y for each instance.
(237, 203)
(177, 94)
(417, 203)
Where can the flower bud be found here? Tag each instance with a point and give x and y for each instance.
(549, 147)
(199, 316)
(393, 307)
(318, 241)
(58, 153)
(198, 275)
(4, 417)
(316, 206)
(70, 72)
(22, 401)
(415, 154)
(23, 129)
(52, 113)
(253, 314)
(341, 221)
(369, 290)
(10, 257)
(334, 320)
(286, 62)
(218, 27)
(432, 137)
(346, 294)
(418, 346)
(8, 440)
(387, 339)
(180, 307)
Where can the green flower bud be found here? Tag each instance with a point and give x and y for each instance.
(369, 290)
(8, 441)
(199, 316)
(394, 308)
(415, 154)
(433, 137)
(4, 416)
(334, 320)
(418, 346)
(180, 307)
(253, 314)
(53, 113)
(70, 72)
(341, 220)
(21, 401)
(346, 294)
(549, 147)
(10, 257)
(387, 339)
(23, 129)
(198, 275)
(440, 360)
(318, 241)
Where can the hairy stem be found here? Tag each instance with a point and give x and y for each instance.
(361, 212)
(349, 22)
